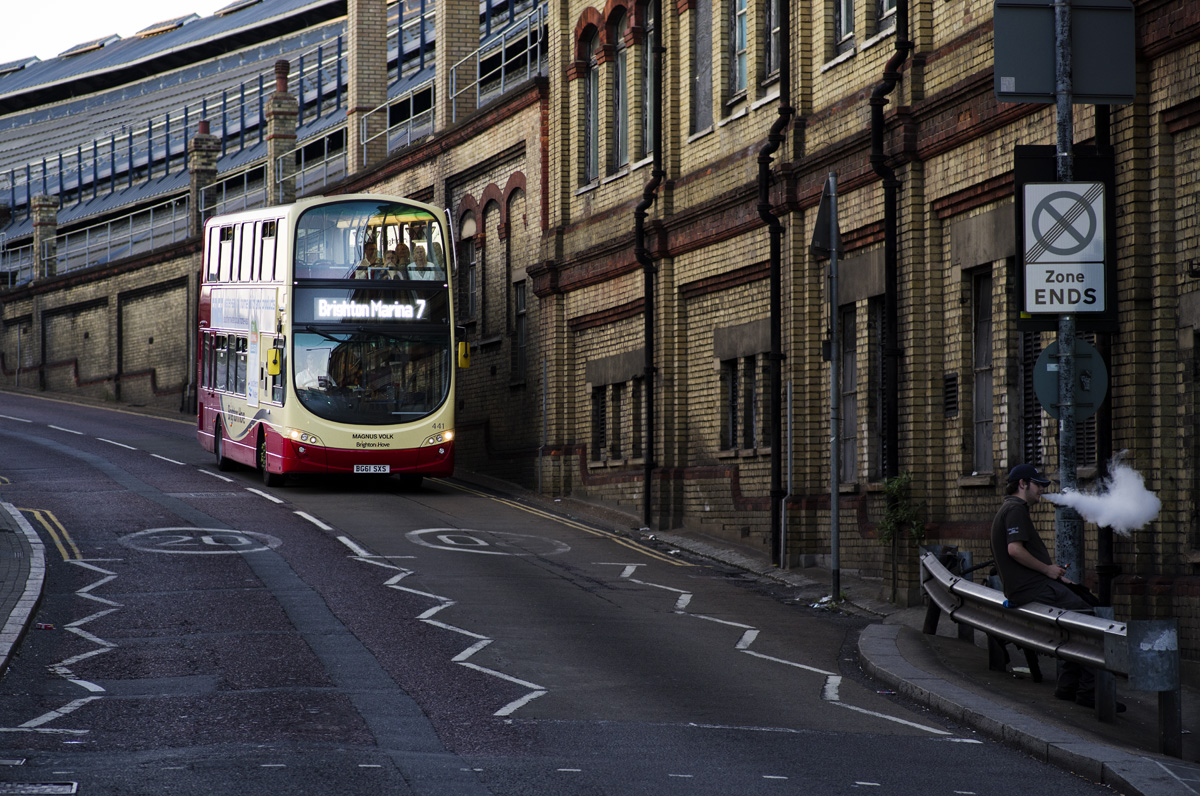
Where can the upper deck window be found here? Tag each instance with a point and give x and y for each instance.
(369, 240)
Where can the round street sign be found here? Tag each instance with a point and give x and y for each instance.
(1091, 380)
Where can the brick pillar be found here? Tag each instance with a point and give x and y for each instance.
(45, 228)
(283, 110)
(456, 26)
(203, 151)
(367, 27)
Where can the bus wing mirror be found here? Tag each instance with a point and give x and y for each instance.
(464, 354)
(274, 361)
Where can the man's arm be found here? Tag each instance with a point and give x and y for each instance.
(1018, 553)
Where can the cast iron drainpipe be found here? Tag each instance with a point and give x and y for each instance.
(891, 186)
(774, 141)
(891, 280)
(657, 174)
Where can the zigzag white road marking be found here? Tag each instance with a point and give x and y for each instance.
(63, 668)
(443, 603)
(829, 692)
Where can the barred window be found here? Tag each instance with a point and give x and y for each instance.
(599, 424)
(848, 391)
(981, 356)
(740, 403)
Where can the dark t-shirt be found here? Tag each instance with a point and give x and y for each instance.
(1013, 524)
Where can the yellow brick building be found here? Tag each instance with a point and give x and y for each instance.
(543, 183)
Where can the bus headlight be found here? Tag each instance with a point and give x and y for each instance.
(440, 438)
(300, 435)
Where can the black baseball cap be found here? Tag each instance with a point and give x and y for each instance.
(1027, 472)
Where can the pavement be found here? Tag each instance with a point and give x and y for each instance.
(941, 672)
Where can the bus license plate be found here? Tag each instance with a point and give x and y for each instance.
(373, 468)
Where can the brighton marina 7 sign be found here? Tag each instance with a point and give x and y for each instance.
(1064, 247)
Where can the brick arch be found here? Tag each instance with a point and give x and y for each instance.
(516, 182)
(492, 194)
(466, 204)
(610, 12)
(492, 202)
(637, 18)
(589, 19)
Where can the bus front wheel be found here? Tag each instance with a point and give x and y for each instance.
(269, 478)
(223, 464)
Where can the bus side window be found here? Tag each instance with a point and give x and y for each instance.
(247, 252)
(239, 386)
(221, 361)
(269, 271)
(205, 359)
(274, 371)
(212, 254)
(225, 259)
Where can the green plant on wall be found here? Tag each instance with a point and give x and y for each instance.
(902, 515)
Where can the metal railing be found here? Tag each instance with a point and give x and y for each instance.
(511, 59)
(309, 170)
(1103, 644)
(411, 123)
(17, 264)
(137, 233)
(243, 189)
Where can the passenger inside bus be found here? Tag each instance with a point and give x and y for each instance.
(396, 262)
(421, 268)
(368, 263)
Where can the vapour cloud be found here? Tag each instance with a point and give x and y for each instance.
(1121, 502)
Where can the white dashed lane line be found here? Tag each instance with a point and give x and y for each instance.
(68, 430)
(165, 459)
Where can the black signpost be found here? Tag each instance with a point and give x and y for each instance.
(1063, 51)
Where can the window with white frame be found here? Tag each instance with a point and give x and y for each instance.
(885, 14)
(702, 80)
(620, 99)
(468, 257)
(739, 47)
(843, 25)
(649, 81)
(591, 111)
(771, 39)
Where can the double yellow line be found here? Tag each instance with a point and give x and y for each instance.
(62, 539)
(579, 526)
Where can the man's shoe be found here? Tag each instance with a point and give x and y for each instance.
(1088, 700)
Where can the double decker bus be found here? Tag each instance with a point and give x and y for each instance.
(326, 340)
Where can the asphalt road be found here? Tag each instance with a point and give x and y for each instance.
(200, 633)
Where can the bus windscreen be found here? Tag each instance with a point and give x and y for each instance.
(370, 377)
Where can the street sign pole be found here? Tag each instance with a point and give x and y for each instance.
(1068, 531)
(835, 384)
